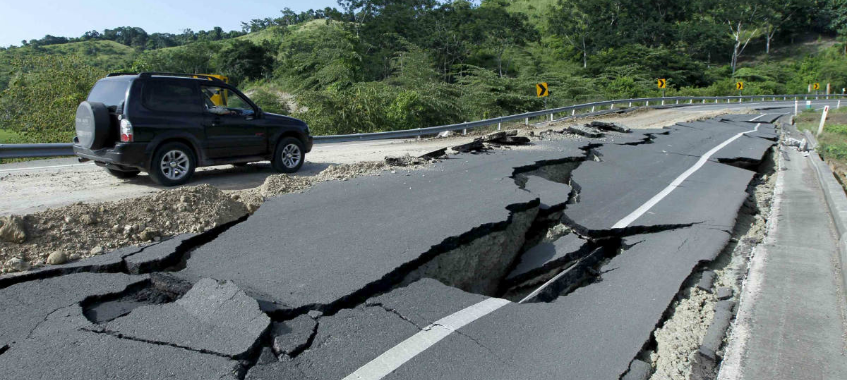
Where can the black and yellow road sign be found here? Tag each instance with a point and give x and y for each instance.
(816, 86)
(739, 86)
(662, 83)
(541, 90)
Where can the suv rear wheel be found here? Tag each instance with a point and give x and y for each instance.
(173, 164)
(123, 174)
(289, 155)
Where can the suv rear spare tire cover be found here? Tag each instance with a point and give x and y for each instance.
(92, 124)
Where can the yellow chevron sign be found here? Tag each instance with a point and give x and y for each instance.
(541, 90)
(662, 83)
(739, 85)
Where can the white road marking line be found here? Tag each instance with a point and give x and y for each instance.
(754, 119)
(406, 350)
(41, 167)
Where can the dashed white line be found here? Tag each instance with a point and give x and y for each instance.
(676, 182)
(406, 350)
(754, 119)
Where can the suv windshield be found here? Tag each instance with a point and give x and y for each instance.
(109, 92)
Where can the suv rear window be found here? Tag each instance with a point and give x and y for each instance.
(170, 97)
(109, 92)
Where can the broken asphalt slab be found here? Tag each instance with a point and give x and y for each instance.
(363, 248)
(214, 317)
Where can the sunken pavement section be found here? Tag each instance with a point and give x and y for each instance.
(317, 284)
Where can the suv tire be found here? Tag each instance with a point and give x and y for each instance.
(173, 164)
(123, 174)
(288, 155)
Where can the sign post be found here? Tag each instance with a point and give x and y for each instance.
(823, 120)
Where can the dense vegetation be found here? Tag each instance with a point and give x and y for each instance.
(374, 65)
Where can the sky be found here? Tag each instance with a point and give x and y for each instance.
(32, 19)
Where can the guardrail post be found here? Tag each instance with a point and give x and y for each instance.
(663, 101)
(464, 132)
(838, 105)
(498, 126)
(648, 104)
(573, 112)
(526, 122)
(630, 104)
(551, 116)
(592, 108)
(612, 106)
(677, 101)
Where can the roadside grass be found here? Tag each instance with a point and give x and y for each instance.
(8, 137)
(833, 140)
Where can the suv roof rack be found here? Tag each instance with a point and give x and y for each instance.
(119, 74)
(201, 76)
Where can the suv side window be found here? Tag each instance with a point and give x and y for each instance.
(169, 96)
(220, 101)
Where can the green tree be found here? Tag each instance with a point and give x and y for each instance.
(242, 59)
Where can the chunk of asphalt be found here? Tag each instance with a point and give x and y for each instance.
(607, 126)
(86, 355)
(166, 253)
(706, 281)
(513, 140)
(434, 154)
(584, 131)
(110, 262)
(724, 293)
(27, 305)
(553, 195)
(717, 329)
(638, 370)
(213, 316)
(290, 337)
(473, 146)
(548, 256)
(280, 370)
(267, 356)
(494, 136)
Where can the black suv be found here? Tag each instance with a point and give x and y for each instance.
(169, 124)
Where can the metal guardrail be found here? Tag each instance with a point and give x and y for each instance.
(55, 150)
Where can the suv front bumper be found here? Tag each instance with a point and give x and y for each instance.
(120, 157)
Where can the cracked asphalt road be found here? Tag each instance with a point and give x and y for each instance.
(329, 283)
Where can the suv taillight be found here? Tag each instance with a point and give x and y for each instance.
(126, 131)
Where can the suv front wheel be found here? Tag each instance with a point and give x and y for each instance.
(173, 164)
(289, 155)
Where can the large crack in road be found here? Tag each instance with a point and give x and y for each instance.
(513, 220)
